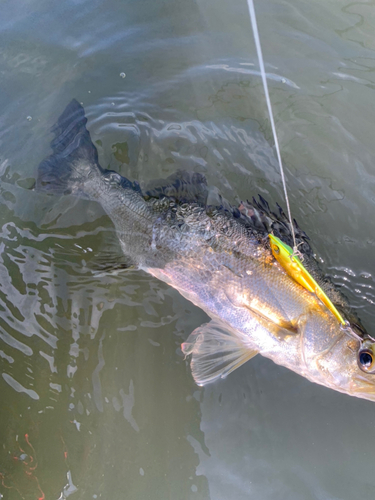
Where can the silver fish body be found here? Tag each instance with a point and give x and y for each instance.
(218, 257)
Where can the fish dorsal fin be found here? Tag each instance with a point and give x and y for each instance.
(183, 186)
(260, 217)
(216, 351)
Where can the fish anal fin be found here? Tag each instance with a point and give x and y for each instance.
(102, 266)
(216, 350)
(110, 261)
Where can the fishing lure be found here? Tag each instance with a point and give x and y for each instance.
(293, 266)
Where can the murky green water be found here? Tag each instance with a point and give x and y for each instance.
(96, 398)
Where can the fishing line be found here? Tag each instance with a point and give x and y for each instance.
(254, 26)
(345, 325)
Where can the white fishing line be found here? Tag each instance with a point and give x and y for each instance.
(254, 26)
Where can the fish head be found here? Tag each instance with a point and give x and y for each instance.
(347, 364)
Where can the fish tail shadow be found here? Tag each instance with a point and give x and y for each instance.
(74, 157)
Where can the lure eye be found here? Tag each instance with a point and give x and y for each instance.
(366, 361)
(276, 249)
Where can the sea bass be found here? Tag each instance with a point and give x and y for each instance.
(219, 257)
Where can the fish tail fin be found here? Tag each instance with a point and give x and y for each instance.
(216, 351)
(74, 157)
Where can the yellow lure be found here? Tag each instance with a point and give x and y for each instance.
(295, 269)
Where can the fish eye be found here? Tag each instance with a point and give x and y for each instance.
(366, 361)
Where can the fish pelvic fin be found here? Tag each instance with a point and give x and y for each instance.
(216, 350)
(74, 157)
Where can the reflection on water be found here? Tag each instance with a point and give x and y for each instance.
(81, 350)
(97, 400)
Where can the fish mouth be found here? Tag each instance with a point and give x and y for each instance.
(361, 387)
(345, 378)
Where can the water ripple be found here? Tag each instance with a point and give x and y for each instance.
(246, 71)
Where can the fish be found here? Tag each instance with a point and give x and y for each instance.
(218, 256)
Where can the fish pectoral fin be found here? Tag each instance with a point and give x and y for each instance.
(216, 351)
(274, 322)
